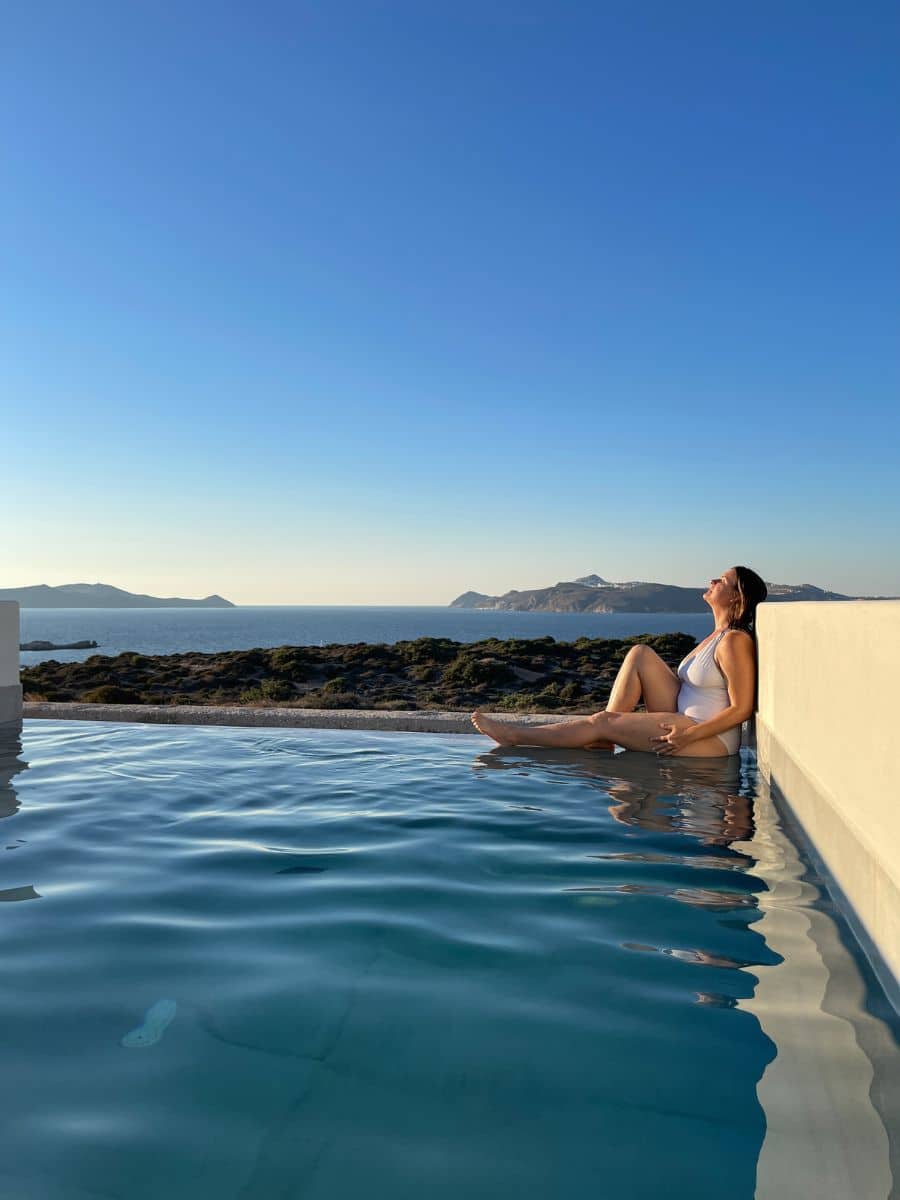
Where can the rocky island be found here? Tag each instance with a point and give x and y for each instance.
(518, 674)
(100, 595)
(591, 593)
(86, 645)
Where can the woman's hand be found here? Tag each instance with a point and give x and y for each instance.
(671, 740)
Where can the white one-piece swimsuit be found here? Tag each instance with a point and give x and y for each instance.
(703, 691)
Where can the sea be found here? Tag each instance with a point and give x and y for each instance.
(209, 630)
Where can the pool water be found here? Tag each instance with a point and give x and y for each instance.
(259, 964)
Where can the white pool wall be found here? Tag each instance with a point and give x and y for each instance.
(10, 688)
(828, 741)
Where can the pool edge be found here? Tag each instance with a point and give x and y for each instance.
(398, 721)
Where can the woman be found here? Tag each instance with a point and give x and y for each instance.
(696, 713)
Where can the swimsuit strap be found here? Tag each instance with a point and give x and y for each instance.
(715, 643)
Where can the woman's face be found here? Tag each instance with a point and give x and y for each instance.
(723, 589)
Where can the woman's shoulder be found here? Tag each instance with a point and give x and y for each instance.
(734, 636)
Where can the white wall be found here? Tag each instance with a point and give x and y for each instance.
(828, 737)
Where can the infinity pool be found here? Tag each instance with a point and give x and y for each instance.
(262, 965)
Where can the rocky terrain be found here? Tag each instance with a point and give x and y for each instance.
(525, 675)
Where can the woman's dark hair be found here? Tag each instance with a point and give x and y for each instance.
(751, 593)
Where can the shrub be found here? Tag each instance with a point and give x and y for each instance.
(516, 702)
(427, 650)
(289, 662)
(268, 689)
(322, 699)
(335, 686)
(530, 645)
(111, 693)
(570, 691)
(422, 672)
(468, 671)
(549, 697)
(131, 659)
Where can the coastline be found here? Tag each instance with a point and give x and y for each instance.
(521, 676)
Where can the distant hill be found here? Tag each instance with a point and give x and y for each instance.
(100, 595)
(591, 593)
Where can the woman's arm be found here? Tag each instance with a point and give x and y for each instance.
(736, 655)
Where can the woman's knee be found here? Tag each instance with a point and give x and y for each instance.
(640, 651)
(638, 655)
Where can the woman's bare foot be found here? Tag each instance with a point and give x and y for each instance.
(497, 730)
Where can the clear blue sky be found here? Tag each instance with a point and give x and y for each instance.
(379, 302)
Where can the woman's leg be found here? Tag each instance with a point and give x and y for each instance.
(642, 674)
(634, 731)
(574, 734)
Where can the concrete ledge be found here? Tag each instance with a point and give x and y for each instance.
(277, 718)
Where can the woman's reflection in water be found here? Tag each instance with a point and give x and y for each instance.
(704, 798)
(707, 801)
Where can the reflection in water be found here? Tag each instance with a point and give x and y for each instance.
(705, 805)
(10, 766)
(708, 799)
(828, 1114)
(699, 897)
(701, 957)
(19, 893)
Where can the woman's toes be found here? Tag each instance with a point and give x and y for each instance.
(479, 720)
(490, 728)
